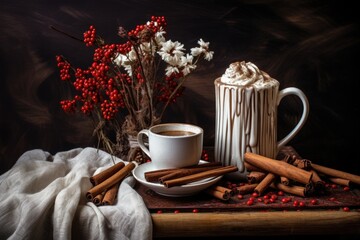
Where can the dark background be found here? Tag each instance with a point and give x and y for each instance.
(312, 45)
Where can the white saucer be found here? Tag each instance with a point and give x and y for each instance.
(176, 191)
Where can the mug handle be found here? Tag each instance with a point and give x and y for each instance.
(141, 141)
(305, 113)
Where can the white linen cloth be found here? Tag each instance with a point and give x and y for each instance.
(43, 197)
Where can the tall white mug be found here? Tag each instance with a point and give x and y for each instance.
(246, 119)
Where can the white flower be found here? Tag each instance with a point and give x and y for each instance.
(126, 60)
(203, 49)
(171, 69)
(120, 58)
(203, 44)
(171, 51)
(159, 36)
(209, 55)
(187, 64)
(147, 48)
(132, 55)
(196, 51)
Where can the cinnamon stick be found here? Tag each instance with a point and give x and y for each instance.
(294, 189)
(218, 193)
(302, 163)
(224, 190)
(265, 183)
(153, 176)
(247, 188)
(340, 181)
(284, 180)
(336, 173)
(287, 159)
(200, 176)
(318, 182)
(315, 177)
(109, 182)
(255, 176)
(102, 176)
(182, 172)
(98, 199)
(110, 195)
(251, 168)
(278, 167)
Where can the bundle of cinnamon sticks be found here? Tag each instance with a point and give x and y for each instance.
(106, 183)
(180, 176)
(292, 174)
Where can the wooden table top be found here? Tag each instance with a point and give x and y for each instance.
(248, 223)
(215, 218)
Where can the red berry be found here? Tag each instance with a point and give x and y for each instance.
(314, 201)
(274, 196)
(346, 188)
(346, 209)
(195, 210)
(280, 193)
(159, 211)
(249, 202)
(239, 196)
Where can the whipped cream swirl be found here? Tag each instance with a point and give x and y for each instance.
(247, 74)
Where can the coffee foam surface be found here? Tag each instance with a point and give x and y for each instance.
(247, 74)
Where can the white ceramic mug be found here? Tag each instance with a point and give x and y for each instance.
(246, 121)
(172, 145)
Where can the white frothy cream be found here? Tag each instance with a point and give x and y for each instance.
(247, 74)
